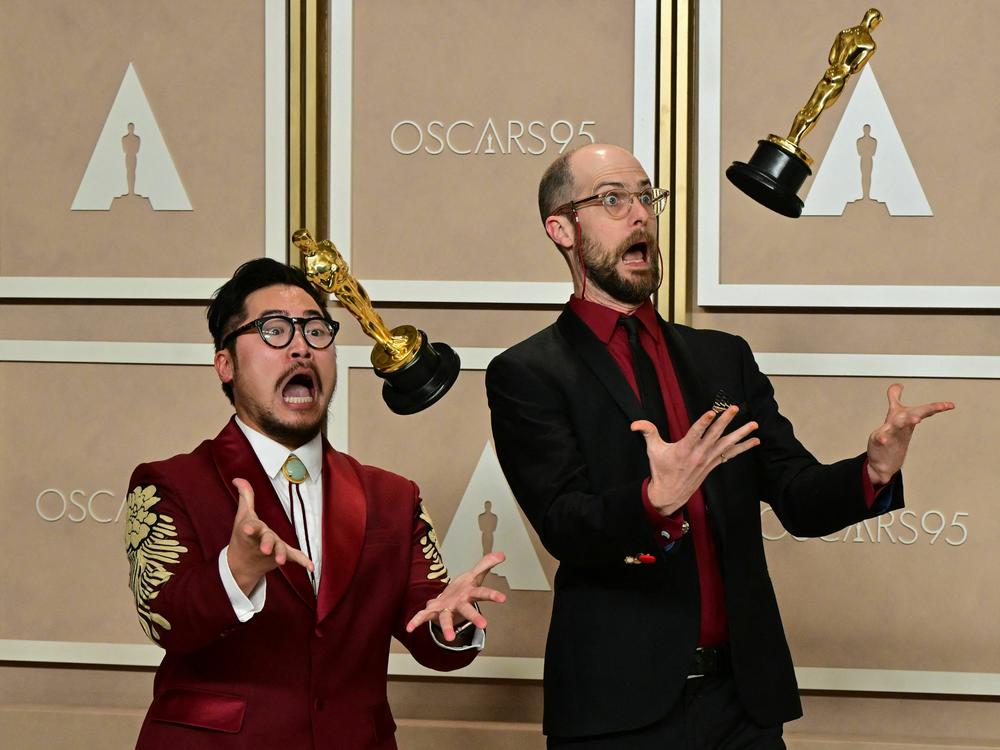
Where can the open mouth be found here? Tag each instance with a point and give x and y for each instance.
(300, 388)
(638, 253)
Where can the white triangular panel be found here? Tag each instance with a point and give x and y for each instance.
(894, 180)
(463, 546)
(156, 177)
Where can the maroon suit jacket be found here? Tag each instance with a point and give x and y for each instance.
(307, 671)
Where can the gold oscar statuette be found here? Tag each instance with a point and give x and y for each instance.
(779, 166)
(416, 372)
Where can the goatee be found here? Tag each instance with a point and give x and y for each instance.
(602, 269)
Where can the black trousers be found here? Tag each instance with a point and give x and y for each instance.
(709, 716)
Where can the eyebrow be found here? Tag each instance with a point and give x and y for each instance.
(614, 184)
(313, 312)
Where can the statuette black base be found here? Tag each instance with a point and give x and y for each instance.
(772, 178)
(423, 381)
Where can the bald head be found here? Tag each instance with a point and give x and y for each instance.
(580, 168)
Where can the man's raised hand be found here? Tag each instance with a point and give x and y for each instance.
(888, 444)
(253, 548)
(678, 469)
(458, 597)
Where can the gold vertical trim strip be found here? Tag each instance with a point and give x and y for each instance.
(682, 247)
(305, 117)
(665, 162)
(295, 114)
(311, 114)
(673, 135)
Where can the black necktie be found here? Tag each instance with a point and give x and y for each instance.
(645, 378)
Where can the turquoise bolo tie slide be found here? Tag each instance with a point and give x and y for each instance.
(294, 470)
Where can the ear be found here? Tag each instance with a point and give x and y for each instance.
(224, 365)
(561, 230)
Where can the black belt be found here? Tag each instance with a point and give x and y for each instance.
(710, 660)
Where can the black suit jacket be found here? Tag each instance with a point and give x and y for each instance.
(622, 637)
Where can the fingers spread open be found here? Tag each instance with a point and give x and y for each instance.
(894, 392)
(246, 495)
(297, 556)
(446, 622)
(720, 423)
(647, 428)
(418, 619)
(486, 594)
(929, 410)
(469, 613)
(267, 541)
(486, 563)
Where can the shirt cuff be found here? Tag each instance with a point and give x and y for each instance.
(878, 498)
(244, 606)
(478, 640)
(669, 528)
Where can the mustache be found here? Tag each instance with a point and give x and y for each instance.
(298, 367)
(639, 235)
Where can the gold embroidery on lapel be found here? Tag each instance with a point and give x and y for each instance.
(432, 553)
(151, 544)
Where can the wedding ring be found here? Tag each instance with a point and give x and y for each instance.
(723, 457)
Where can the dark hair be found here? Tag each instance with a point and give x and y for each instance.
(228, 306)
(556, 186)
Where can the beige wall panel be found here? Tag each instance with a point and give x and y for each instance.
(47, 727)
(82, 428)
(500, 701)
(75, 687)
(899, 598)
(105, 322)
(899, 721)
(859, 333)
(934, 65)
(475, 217)
(201, 66)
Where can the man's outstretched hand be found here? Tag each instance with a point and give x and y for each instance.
(456, 601)
(678, 469)
(887, 445)
(253, 548)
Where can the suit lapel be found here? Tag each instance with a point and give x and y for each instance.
(235, 458)
(344, 519)
(595, 355)
(697, 400)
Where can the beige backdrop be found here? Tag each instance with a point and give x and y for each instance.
(65, 426)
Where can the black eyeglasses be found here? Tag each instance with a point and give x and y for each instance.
(279, 330)
(617, 202)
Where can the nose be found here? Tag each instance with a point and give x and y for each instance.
(639, 214)
(298, 348)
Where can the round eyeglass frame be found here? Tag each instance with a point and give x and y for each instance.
(657, 202)
(258, 325)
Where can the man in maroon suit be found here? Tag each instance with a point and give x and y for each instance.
(274, 569)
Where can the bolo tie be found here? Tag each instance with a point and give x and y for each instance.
(296, 473)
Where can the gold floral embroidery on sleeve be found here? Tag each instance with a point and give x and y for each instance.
(151, 544)
(429, 544)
